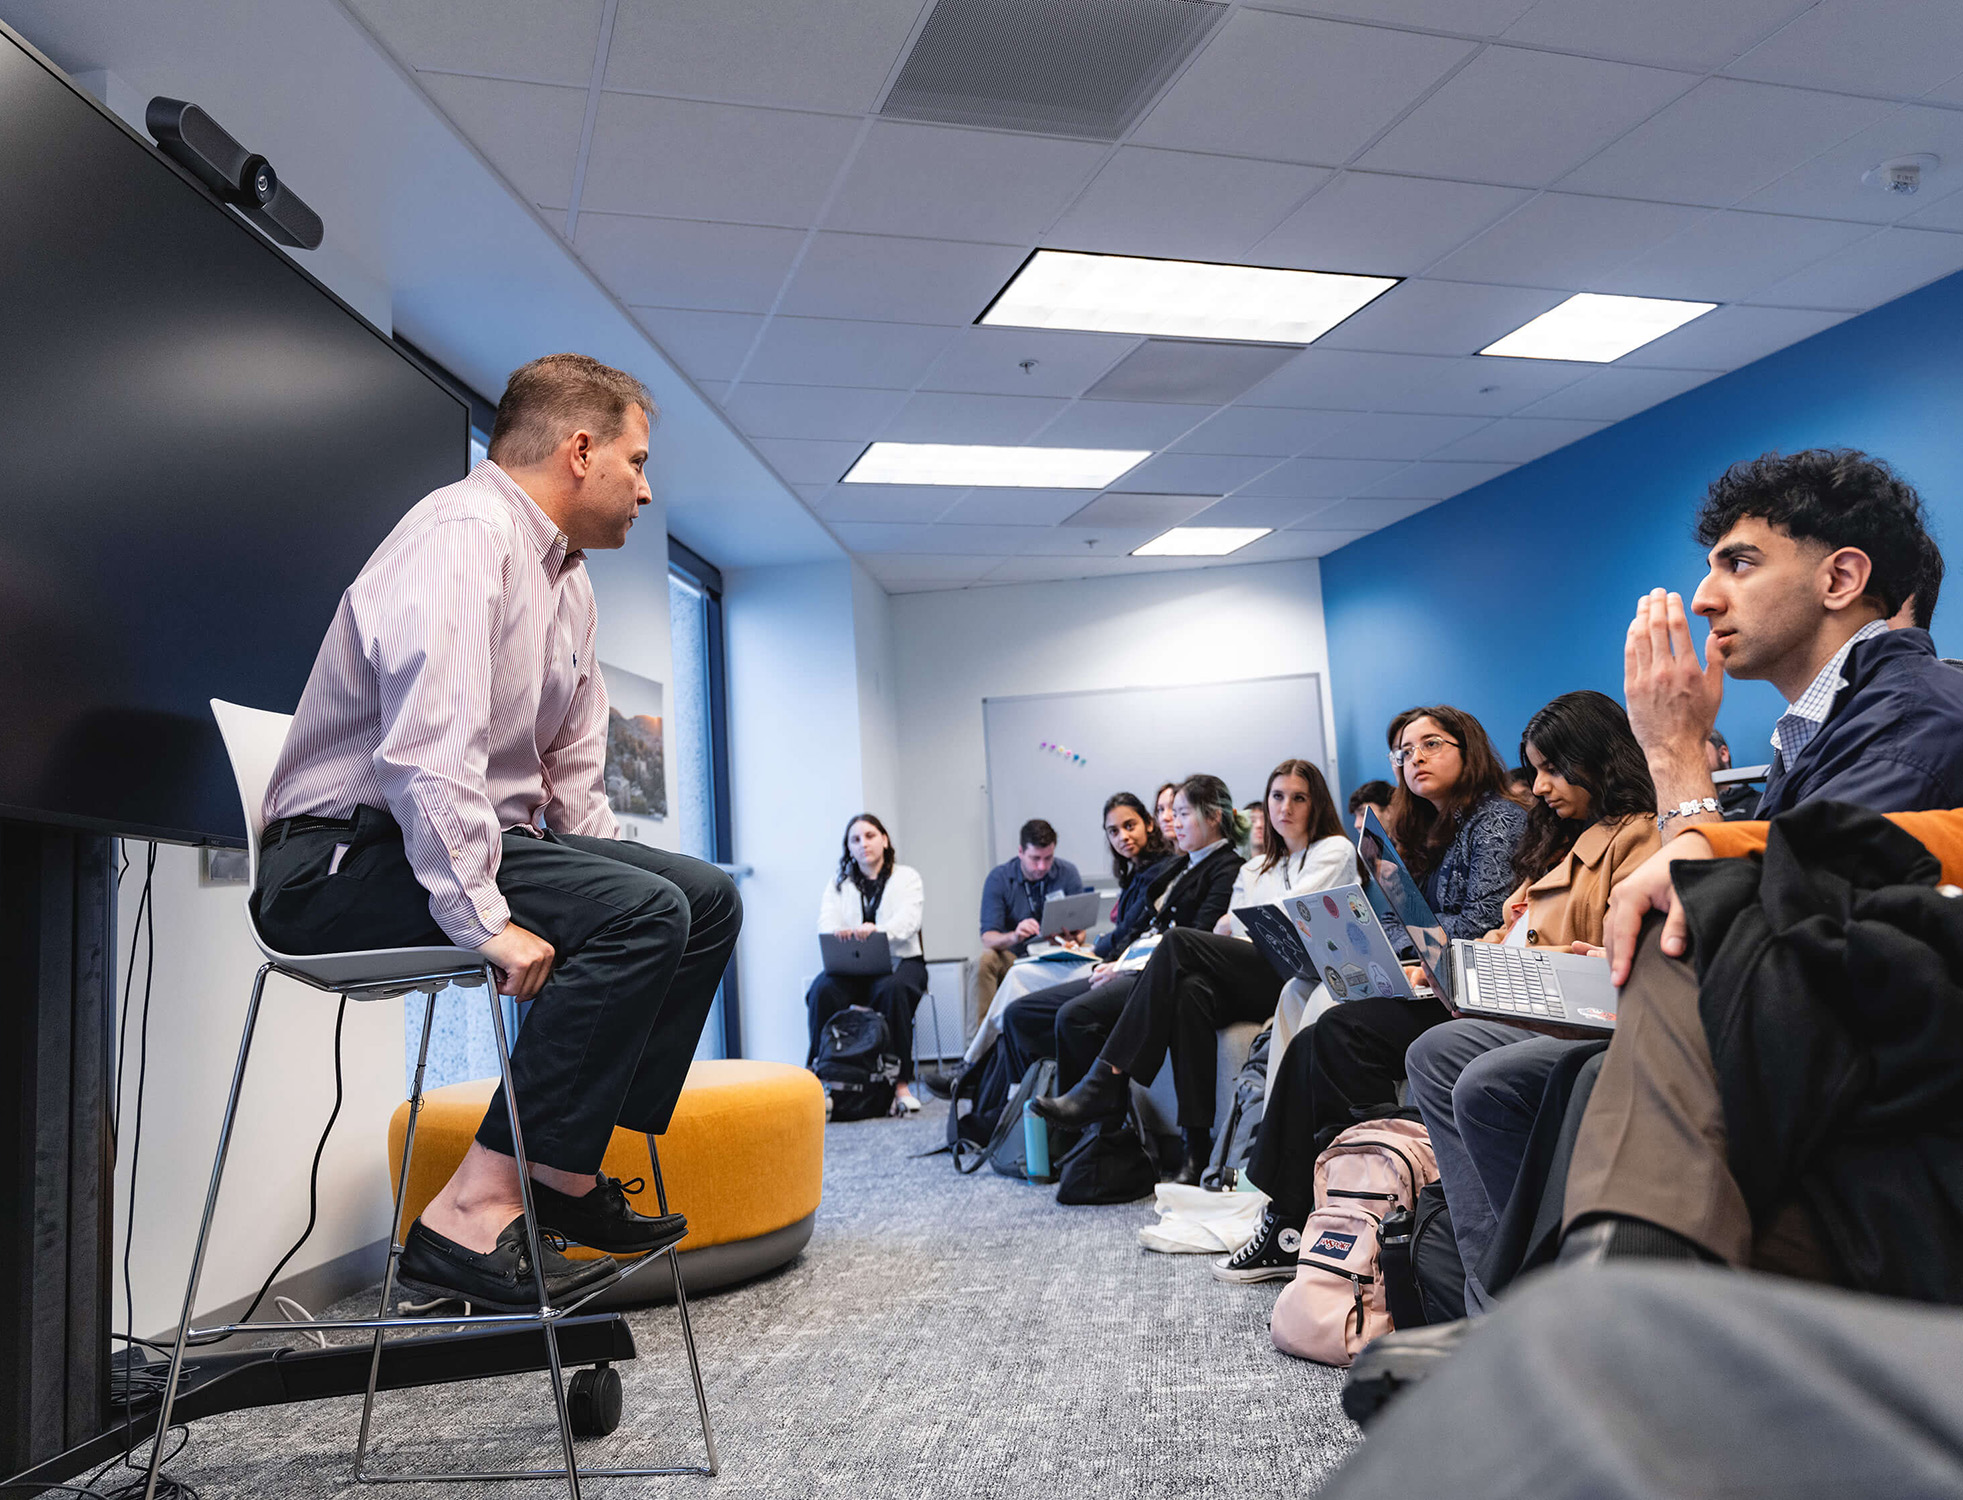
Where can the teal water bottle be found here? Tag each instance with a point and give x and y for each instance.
(1035, 1144)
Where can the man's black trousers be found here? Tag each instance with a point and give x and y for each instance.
(640, 936)
(1194, 984)
(893, 995)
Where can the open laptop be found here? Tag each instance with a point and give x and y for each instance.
(1333, 937)
(866, 955)
(1504, 981)
(1070, 913)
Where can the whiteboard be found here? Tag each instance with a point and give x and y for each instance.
(1059, 755)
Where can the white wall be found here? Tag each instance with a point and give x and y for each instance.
(879, 719)
(955, 648)
(795, 777)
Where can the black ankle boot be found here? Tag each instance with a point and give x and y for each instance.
(1198, 1152)
(1099, 1095)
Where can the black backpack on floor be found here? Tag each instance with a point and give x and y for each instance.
(1235, 1145)
(857, 1065)
(1109, 1165)
(1424, 1279)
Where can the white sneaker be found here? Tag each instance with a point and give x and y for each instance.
(907, 1103)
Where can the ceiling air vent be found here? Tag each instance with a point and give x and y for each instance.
(1082, 68)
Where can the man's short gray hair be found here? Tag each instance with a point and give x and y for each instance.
(547, 401)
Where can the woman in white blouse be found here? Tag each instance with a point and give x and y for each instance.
(872, 894)
(1197, 982)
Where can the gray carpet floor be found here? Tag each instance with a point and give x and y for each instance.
(941, 1336)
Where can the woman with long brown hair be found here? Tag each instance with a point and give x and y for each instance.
(1198, 981)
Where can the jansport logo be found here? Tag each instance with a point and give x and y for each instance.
(1335, 1246)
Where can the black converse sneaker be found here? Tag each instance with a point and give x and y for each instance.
(1269, 1256)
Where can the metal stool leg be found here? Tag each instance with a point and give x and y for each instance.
(681, 1306)
(396, 1231)
(204, 1237)
(547, 1314)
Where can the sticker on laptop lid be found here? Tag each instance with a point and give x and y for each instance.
(1359, 908)
(1335, 982)
(1591, 1013)
(1329, 905)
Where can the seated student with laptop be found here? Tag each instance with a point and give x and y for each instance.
(1069, 1021)
(1593, 821)
(1012, 906)
(1456, 829)
(872, 902)
(1198, 981)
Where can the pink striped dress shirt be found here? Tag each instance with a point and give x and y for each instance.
(458, 688)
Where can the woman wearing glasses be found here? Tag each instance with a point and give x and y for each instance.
(1456, 828)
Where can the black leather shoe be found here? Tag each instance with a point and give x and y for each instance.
(1397, 1361)
(1198, 1152)
(443, 1270)
(1099, 1095)
(603, 1220)
(941, 1081)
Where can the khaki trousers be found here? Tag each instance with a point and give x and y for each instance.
(1652, 1145)
(989, 969)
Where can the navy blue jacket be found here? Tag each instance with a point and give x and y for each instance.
(1135, 904)
(1893, 741)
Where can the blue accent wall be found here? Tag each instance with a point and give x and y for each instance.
(1504, 597)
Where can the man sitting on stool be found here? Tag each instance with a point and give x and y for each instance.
(1012, 907)
(443, 781)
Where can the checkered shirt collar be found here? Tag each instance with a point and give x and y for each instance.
(1805, 715)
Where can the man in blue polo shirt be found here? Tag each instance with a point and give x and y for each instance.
(1012, 907)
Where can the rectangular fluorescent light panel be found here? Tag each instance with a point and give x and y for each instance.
(1201, 541)
(1179, 298)
(1597, 329)
(965, 464)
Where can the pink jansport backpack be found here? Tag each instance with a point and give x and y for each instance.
(1335, 1305)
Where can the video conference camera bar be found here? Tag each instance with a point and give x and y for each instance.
(241, 178)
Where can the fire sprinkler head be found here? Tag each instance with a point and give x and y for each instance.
(1901, 175)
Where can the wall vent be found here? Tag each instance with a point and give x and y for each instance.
(1082, 68)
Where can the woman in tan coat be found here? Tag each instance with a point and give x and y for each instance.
(1476, 1082)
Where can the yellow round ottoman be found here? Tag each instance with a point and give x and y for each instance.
(743, 1157)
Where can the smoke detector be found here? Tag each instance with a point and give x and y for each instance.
(1901, 175)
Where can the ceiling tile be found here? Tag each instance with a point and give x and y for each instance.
(945, 541)
(1732, 336)
(1830, 184)
(715, 390)
(1154, 512)
(1121, 424)
(1370, 224)
(1293, 89)
(708, 345)
(1013, 507)
(1518, 440)
(1224, 205)
(991, 360)
(812, 411)
(1403, 435)
(908, 281)
(1723, 140)
(687, 263)
(1287, 546)
(1195, 473)
(878, 502)
(1944, 213)
(808, 460)
(1882, 267)
(1513, 116)
(1214, 372)
(1439, 317)
(514, 38)
(1438, 480)
(1468, 17)
(1691, 34)
(1323, 478)
(1254, 510)
(1617, 392)
(1728, 256)
(1369, 512)
(1275, 431)
(1468, 386)
(823, 54)
(1087, 541)
(824, 351)
(926, 568)
(529, 132)
(938, 183)
(1061, 569)
(712, 161)
(1894, 47)
(1565, 240)
(947, 417)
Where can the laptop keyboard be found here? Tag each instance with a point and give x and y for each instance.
(1511, 979)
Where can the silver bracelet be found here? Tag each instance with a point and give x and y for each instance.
(1687, 810)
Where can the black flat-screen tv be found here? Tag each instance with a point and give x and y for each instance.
(199, 447)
